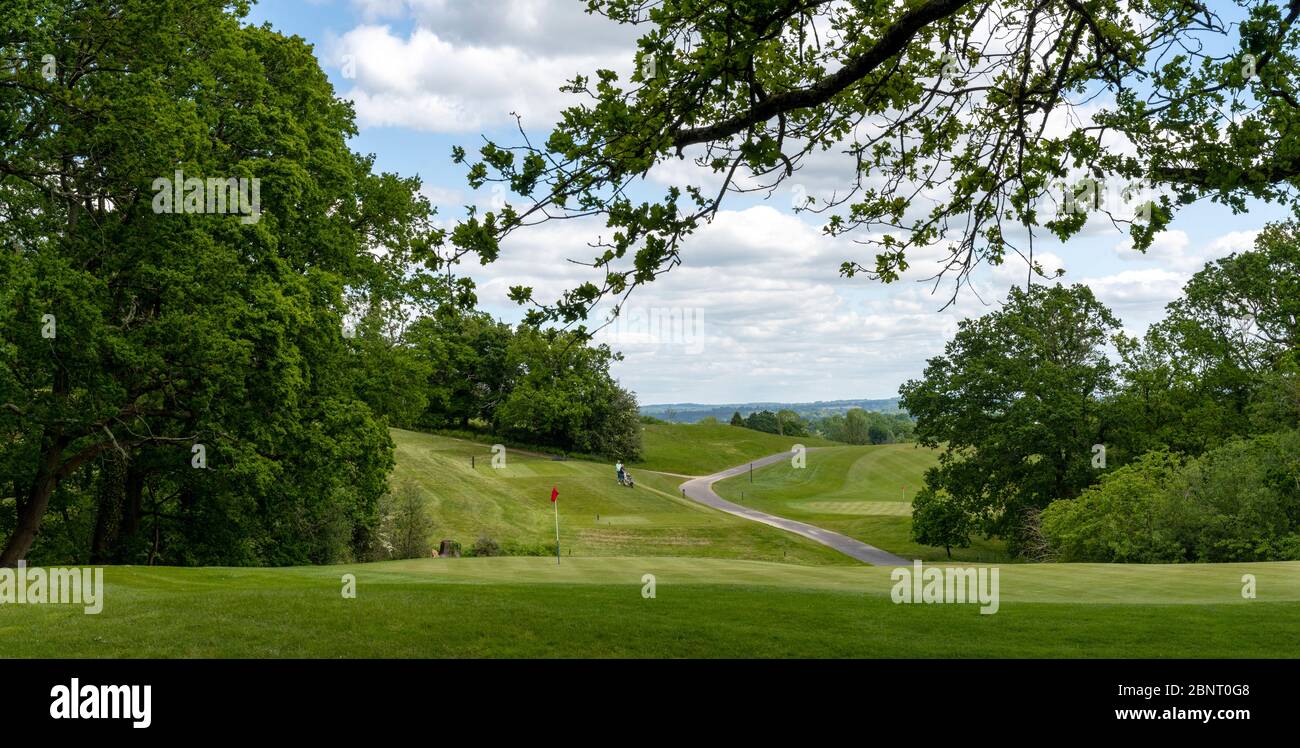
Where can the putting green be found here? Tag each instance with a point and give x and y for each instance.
(859, 508)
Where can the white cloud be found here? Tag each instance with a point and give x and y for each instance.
(540, 28)
(762, 312)
(773, 318)
(1173, 249)
(1151, 288)
(425, 82)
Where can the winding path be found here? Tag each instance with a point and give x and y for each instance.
(701, 490)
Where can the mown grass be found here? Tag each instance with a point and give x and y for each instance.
(863, 492)
(469, 498)
(529, 607)
(701, 449)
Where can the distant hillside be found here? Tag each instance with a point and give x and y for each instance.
(694, 412)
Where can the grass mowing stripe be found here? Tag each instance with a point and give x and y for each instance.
(294, 613)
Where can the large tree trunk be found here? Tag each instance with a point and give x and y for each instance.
(31, 509)
(132, 502)
(109, 509)
(128, 543)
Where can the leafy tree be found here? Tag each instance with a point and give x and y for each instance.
(1015, 403)
(1221, 363)
(1121, 519)
(939, 521)
(1275, 404)
(178, 338)
(857, 428)
(389, 376)
(878, 433)
(1242, 313)
(763, 420)
(788, 423)
(736, 420)
(562, 395)
(465, 353)
(616, 430)
(910, 93)
(901, 426)
(406, 526)
(1237, 502)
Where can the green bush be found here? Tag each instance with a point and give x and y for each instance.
(485, 546)
(1123, 518)
(1239, 502)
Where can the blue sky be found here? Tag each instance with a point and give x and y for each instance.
(758, 310)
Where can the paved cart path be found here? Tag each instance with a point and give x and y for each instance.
(701, 490)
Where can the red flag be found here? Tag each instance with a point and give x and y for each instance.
(555, 494)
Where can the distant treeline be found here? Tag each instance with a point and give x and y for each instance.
(857, 426)
(696, 412)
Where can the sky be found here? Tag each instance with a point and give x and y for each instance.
(757, 311)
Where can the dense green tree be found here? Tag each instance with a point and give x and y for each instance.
(939, 521)
(1221, 364)
(1275, 404)
(389, 375)
(561, 395)
(1237, 502)
(901, 426)
(878, 432)
(763, 420)
(1120, 519)
(465, 353)
(736, 420)
(789, 423)
(1242, 313)
(1015, 403)
(857, 427)
(616, 430)
(172, 370)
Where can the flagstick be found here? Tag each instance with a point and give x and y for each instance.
(557, 532)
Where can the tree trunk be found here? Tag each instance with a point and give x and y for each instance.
(32, 508)
(132, 503)
(108, 509)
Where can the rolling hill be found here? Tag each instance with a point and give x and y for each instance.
(863, 492)
(701, 449)
(511, 505)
